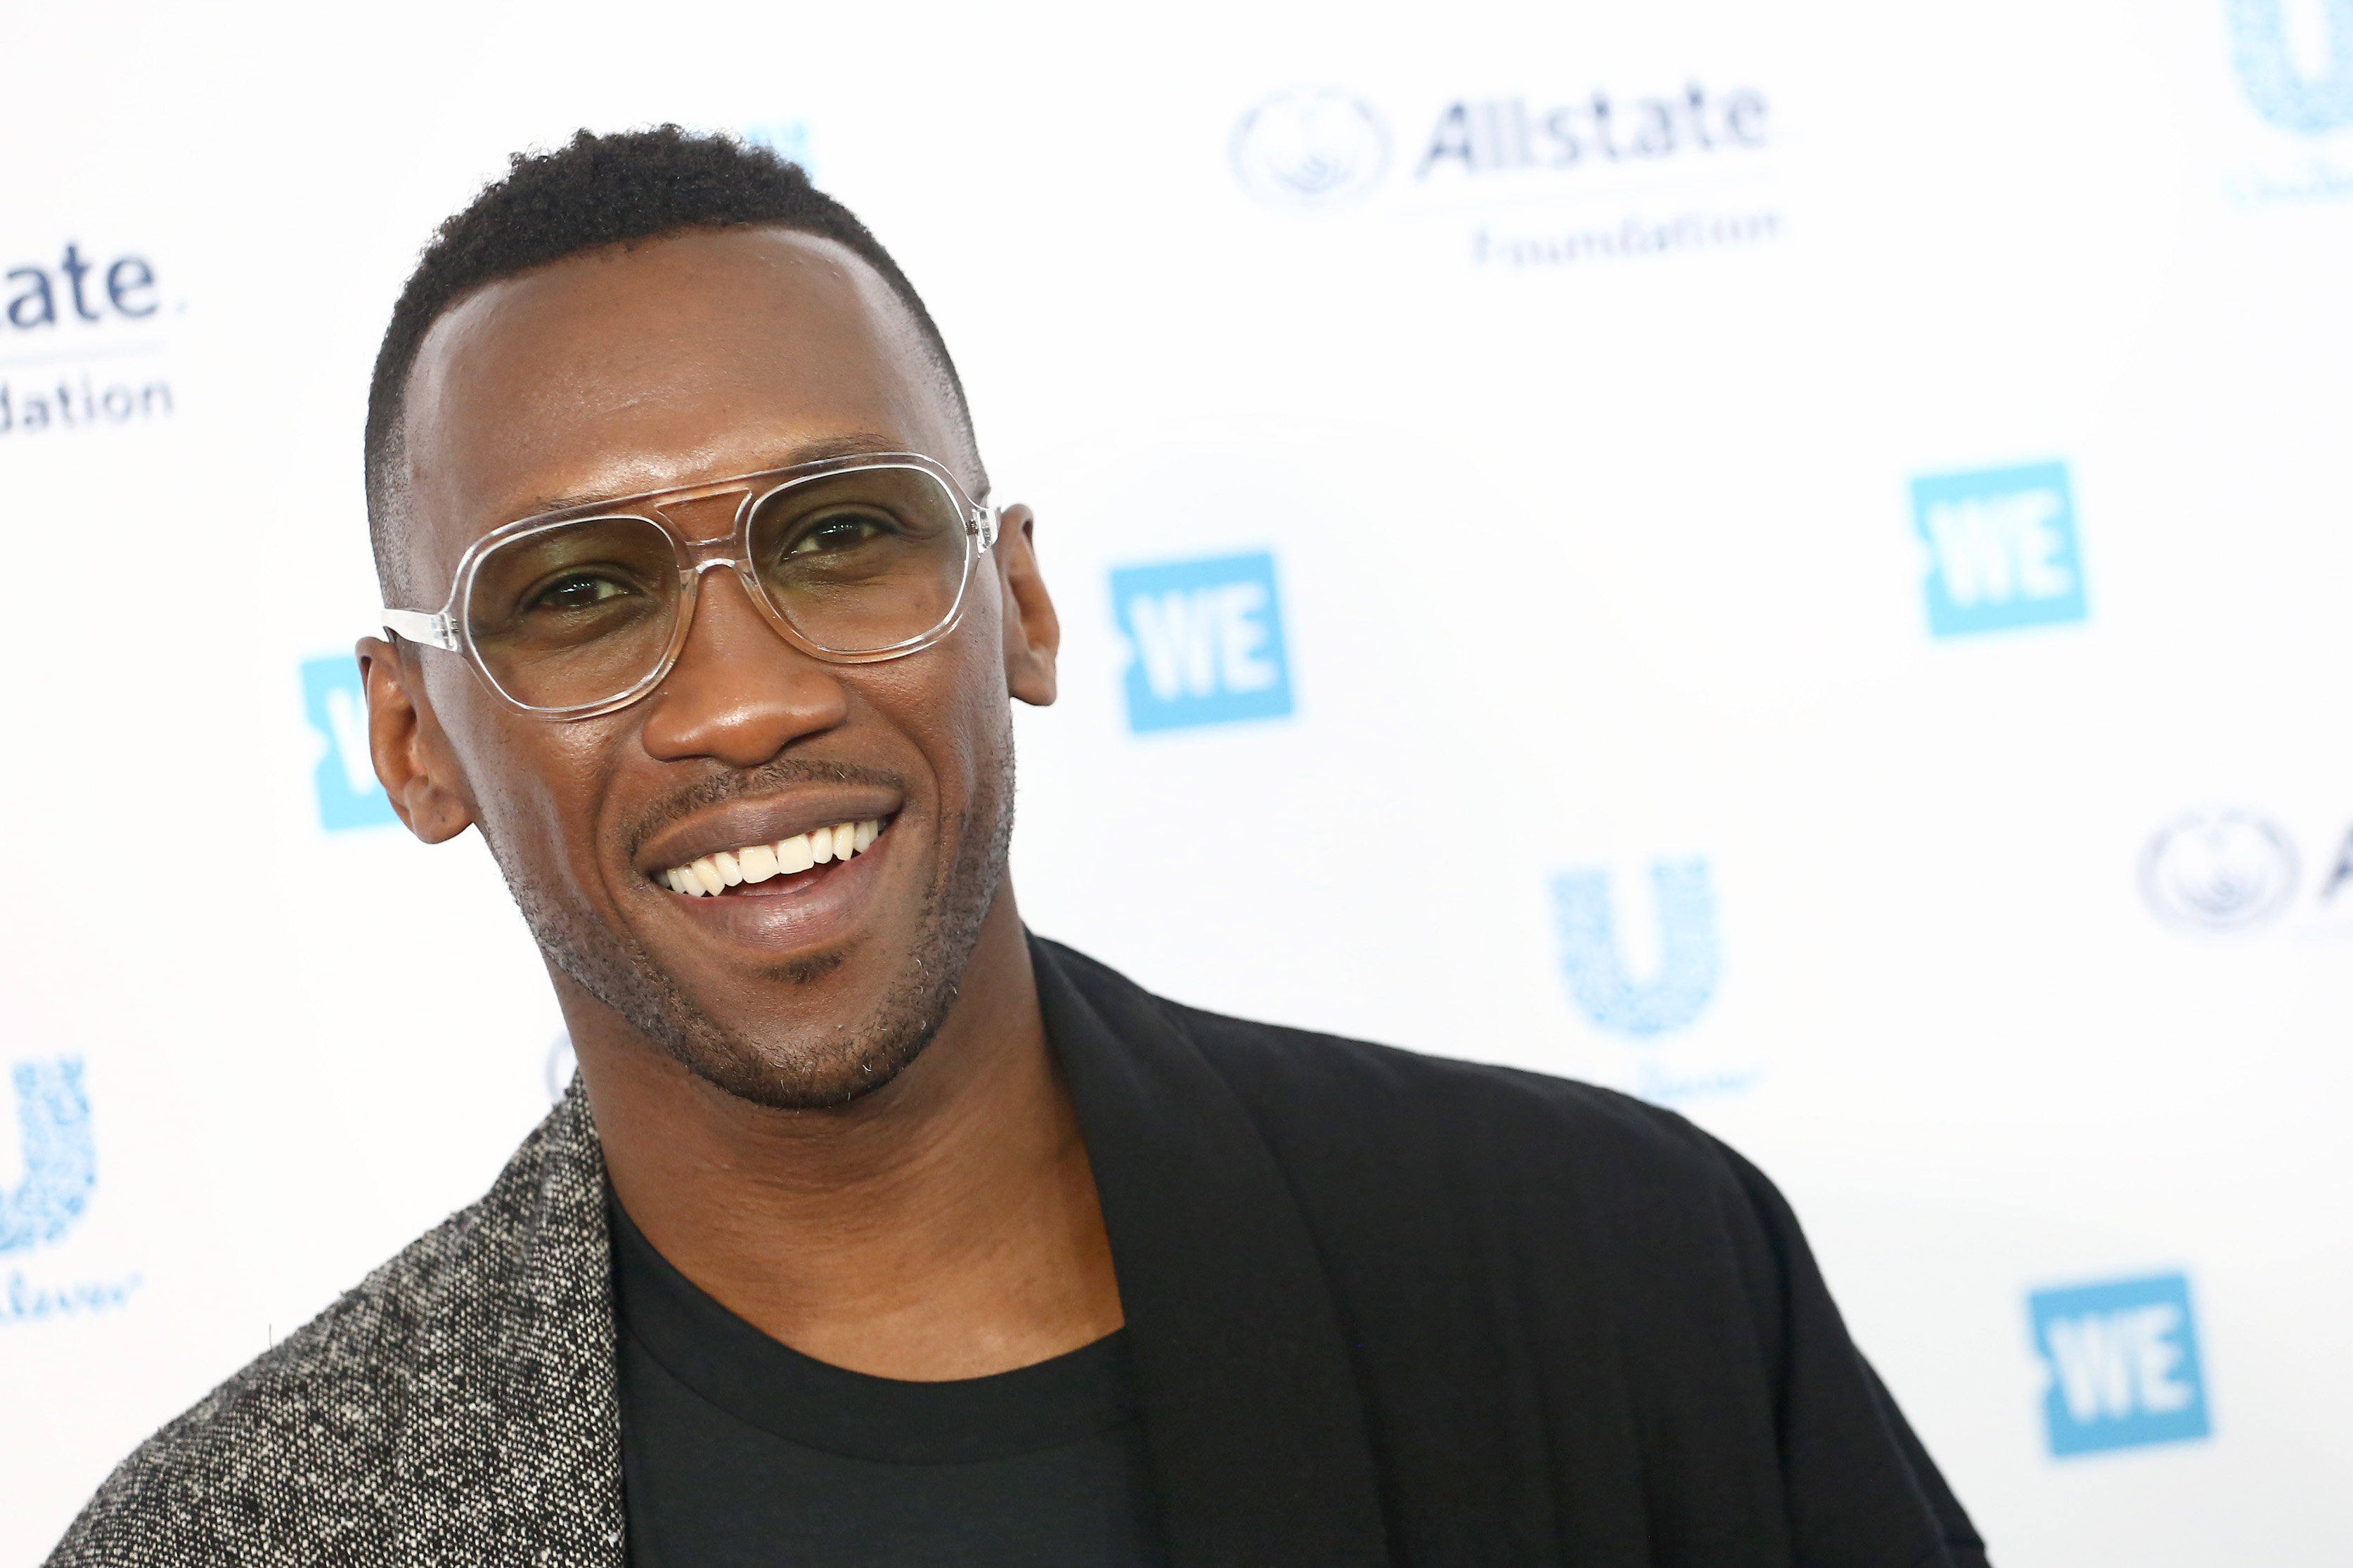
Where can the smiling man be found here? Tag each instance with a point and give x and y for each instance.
(875, 1229)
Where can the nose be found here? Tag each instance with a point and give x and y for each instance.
(739, 694)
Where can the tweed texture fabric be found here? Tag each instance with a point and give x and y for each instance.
(457, 1407)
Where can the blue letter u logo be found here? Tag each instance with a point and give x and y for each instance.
(2267, 68)
(61, 1162)
(1688, 958)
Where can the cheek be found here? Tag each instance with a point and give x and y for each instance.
(949, 704)
(533, 784)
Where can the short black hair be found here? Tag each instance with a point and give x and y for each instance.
(594, 191)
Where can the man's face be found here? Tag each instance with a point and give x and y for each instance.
(685, 359)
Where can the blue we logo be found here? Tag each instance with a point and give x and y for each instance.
(349, 794)
(2123, 1360)
(1205, 640)
(2002, 547)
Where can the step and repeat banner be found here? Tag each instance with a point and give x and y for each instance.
(1791, 560)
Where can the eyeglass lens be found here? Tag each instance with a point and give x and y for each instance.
(579, 613)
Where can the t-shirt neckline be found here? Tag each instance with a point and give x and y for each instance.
(803, 1400)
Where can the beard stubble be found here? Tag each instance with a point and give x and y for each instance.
(809, 1071)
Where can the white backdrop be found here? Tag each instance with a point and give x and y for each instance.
(1789, 559)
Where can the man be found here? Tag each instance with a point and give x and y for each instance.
(875, 1229)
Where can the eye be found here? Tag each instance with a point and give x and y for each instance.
(579, 591)
(837, 534)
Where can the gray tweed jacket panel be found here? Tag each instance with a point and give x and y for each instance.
(458, 1408)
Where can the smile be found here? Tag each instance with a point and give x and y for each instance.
(712, 875)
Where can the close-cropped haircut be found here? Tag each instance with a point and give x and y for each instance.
(595, 191)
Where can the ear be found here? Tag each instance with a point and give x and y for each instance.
(411, 758)
(1033, 633)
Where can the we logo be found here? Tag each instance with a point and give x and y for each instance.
(1206, 642)
(2002, 547)
(2123, 1360)
(349, 794)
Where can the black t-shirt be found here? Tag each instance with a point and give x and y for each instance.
(737, 1450)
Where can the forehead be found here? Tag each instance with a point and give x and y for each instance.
(684, 358)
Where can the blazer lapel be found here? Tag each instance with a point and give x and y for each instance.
(509, 1448)
(1257, 1434)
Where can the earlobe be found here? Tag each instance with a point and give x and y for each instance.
(1033, 633)
(400, 736)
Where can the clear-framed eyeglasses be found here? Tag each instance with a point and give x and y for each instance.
(575, 612)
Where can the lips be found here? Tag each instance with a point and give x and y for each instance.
(749, 865)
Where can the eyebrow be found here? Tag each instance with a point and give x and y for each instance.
(853, 445)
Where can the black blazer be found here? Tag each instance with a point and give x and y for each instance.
(1386, 1307)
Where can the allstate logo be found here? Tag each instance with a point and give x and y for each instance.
(2219, 870)
(2306, 89)
(1690, 959)
(60, 1161)
(1310, 148)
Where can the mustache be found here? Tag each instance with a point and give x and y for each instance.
(744, 783)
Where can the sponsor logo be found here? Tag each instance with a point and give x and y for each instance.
(2122, 1360)
(2002, 552)
(61, 1163)
(2220, 870)
(1317, 148)
(2295, 61)
(1500, 134)
(1689, 959)
(1205, 642)
(2228, 870)
(1646, 979)
(56, 317)
(1310, 148)
(349, 794)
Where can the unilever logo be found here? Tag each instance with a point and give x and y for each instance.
(2295, 60)
(2123, 1364)
(1206, 642)
(1690, 959)
(2219, 870)
(60, 1171)
(349, 794)
(1313, 147)
(60, 1161)
(2001, 547)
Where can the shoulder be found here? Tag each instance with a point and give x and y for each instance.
(289, 1459)
(1366, 1130)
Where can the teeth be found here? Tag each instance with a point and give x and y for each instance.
(758, 862)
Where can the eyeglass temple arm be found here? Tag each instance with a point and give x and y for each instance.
(988, 522)
(430, 627)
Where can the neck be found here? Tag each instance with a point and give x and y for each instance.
(944, 1227)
